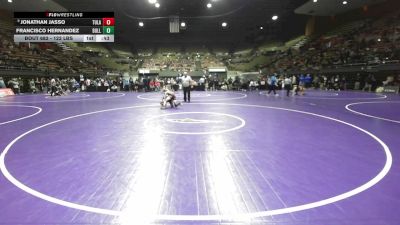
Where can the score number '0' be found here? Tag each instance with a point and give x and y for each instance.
(108, 21)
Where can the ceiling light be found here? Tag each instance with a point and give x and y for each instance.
(209, 5)
(157, 5)
(9, 1)
(141, 24)
(152, 1)
(344, 2)
(315, 0)
(224, 24)
(275, 17)
(261, 28)
(183, 24)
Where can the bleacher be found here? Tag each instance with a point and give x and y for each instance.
(298, 43)
(306, 53)
(345, 28)
(6, 26)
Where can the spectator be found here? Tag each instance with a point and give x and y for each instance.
(272, 82)
(2, 84)
(14, 84)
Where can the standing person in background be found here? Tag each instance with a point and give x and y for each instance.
(251, 85)
(131, 84)
(2, 84)
(368, 83)
(212, 83)
(307, 81)
(201, 83)
(152, 85)
(294, 80)
(186, 83)
(157, 84)
(145, 84)
(230, 84)
(136, 85)
(272, 81)
(168, 83)
(336, 83)
(343, 84)
(81, 80)
(288, 85)
(32, 86)
(262, 83)
(294, 83)
(14, 85)
(301, 86)
(206, 84)
(121, 84)
(357, 82)
(53, 87)
(374, 83)
(38, 84)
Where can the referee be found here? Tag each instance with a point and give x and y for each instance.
(186, 82)
(288, 85)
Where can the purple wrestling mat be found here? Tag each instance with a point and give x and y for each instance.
(325, 158)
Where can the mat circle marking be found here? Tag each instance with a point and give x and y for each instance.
(225, 217)
(242, 96)
(242, 123)
(348, 107)
(67, 100)
(335, 97)
(22, 118)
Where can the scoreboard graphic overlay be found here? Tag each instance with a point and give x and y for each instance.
(64, 26)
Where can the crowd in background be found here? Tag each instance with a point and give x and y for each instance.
(370, 43)
(69, 84)
(205, 83)
(45, 57)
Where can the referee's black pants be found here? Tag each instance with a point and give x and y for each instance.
(186, 94)
(288, 87)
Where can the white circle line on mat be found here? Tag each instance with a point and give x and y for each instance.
(241, 125)
(379, 96)
(220, 98)
(68, 100)
(68, 96)
(348, 107)
(224, 217)
(22, 118)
